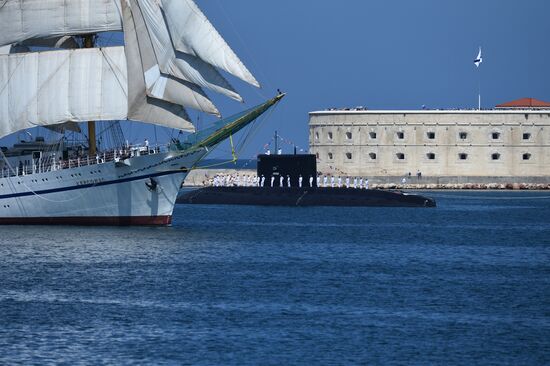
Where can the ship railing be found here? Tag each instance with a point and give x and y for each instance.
(49, 164)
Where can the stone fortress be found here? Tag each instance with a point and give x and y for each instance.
(508, 144)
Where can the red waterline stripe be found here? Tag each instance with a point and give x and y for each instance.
(90, 220)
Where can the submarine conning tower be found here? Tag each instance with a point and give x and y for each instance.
(287, 165)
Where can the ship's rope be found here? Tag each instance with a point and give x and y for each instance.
(255, 128)
(252, 131)
(247, 50)
(233, 160)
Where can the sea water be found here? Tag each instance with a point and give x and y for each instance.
(465, 283)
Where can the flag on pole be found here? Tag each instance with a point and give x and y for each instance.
(478, 59)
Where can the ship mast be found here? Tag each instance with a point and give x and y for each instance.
(92, 150)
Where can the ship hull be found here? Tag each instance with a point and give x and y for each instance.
(137, 191)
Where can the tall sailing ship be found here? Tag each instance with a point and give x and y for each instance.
(53, 75)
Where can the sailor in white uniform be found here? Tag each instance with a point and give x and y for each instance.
(339, 181)
(347, 182)
(355, 182)
(311, 181)
(332, 181)
(361, 183)
(288, 180)
(272, 181)
(262, 181)
(300, 179)
(366, 184)
(325, 181)
(281, 180)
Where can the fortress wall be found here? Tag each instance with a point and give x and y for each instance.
(468, 144)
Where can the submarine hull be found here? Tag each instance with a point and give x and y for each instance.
(276, 196)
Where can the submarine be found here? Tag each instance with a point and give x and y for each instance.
(298, 170)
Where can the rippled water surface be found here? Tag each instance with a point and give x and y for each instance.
(465, 283)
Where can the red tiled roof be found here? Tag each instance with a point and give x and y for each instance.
(525, 103)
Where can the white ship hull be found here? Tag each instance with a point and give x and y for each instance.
(141, 190)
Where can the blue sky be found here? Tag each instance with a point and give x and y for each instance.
(392, 54)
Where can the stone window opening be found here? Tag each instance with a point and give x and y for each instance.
(495, 156)
(329, 136)
(400, 156)
(463, 135)
(316, 135)
(401, 135)
(372, 156)
(349, 156)
(431, 135)
(495, 135)
(526, 156)
(526, 136)
(463, 156)
(430, 156)
(349, 135)
(330, 156)
(372, 135)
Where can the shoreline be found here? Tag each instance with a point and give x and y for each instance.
(466, 186)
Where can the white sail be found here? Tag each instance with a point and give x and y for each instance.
(142, 107)
(192, 33)
(179, 65)
(49, 88)
(158, 85)
(66, 126)
(25, 19)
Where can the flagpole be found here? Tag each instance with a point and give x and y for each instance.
(478, 88)
(478, 62)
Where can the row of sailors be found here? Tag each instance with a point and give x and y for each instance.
(255, 181)
(235, 181)
(357, 182)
